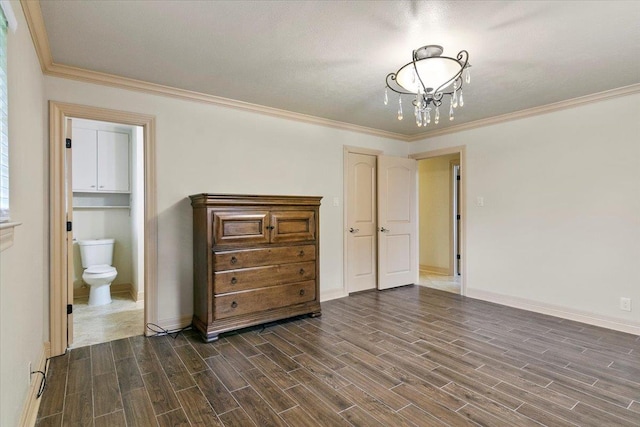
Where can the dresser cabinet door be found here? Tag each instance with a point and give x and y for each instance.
(293, 226)
(240, 228)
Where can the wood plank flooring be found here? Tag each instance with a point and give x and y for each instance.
(410, 356)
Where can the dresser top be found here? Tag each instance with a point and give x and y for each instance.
(208, 199)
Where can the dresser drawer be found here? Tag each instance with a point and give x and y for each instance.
(259, 277)
(233, 260)
(256, 300)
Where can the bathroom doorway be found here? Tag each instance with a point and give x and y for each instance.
(108, 206)
(62, 265)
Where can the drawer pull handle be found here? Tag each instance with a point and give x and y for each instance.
(234, 280)
(301, 253)
(301, 292)
(234, 260)
(234, 304)
(301, 271)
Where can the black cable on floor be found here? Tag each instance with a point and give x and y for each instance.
(160, 331)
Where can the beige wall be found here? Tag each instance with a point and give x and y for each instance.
(206, 148)
(434, 206)
(559, 227)
(24, 266)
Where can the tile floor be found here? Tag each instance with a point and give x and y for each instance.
(92, 325)
(437, 281)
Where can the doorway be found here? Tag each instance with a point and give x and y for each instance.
(108, 206)
(441, 213)
(61, 201)
(380, 221)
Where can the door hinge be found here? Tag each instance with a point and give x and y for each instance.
(458, 217)
(69, 309)
(68, 142)
(458, 256)
(458, 177)
(69, 227)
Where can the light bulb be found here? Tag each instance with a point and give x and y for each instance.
(427, 114)
(386, 96)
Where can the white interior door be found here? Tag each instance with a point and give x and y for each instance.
(69, 208)
(397, 222)
(361, 222)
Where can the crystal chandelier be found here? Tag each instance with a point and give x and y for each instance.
(428, 78)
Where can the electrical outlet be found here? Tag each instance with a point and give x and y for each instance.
(625, 304)
(29, 373)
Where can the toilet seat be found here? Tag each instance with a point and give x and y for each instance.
(100, 269)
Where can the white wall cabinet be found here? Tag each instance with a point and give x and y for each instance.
(100, 161)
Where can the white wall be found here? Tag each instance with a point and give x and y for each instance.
(24, 266)
(434, 207)
(560, 224)
(206, 148)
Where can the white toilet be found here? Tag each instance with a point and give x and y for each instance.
(97, 256)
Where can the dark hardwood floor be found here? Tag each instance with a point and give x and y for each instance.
(403, 357)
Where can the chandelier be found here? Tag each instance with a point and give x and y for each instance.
(429, 78)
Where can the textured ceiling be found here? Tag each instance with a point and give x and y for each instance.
(330, 59)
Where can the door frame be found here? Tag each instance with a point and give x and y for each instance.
(345, 173)
(58, 269)
(454, 208)
(461, 150)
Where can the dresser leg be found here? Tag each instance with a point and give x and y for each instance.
(315, 314)
(210, 338)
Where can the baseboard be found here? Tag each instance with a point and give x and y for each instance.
(32, 404)
(140, 297)
(444, 271)
(333, 294)
(172, 324)
(557, 311)
(136, 296)
(120, 288)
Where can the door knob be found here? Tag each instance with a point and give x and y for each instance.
(353, 230)
(383, 230)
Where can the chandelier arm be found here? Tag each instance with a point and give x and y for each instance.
(463, 54)
(415, 68)
(392, 77)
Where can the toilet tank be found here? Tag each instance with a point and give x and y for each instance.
(94, 252)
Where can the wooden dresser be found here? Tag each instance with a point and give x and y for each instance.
(255, 260)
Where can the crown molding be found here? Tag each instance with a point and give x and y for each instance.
(543, 109)
(35, 22)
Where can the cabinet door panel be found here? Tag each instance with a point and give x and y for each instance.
(293, 226)
(84, 157)
(240, 228)
(113, 161)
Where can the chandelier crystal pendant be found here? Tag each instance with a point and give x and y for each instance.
(429, 78)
